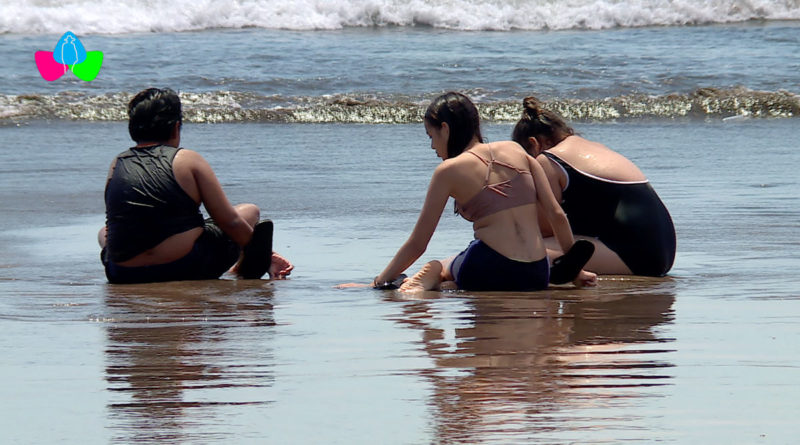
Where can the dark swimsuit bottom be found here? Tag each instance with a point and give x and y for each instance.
(212, 255)
(628, 217)
(481, 268)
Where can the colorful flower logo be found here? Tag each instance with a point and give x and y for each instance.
(69, 54)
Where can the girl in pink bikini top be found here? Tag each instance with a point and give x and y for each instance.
(507, 252)
(503, 195)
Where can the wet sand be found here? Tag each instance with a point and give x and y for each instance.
(706, 355)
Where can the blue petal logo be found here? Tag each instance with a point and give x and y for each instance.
(69, 54)
(69, 50)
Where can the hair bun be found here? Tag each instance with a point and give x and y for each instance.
(531, 107)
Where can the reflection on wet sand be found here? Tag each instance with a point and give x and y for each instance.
(177, 353)
(527, 365)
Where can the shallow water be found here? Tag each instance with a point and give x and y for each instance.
(706, 355)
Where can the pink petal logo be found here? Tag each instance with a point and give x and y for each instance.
(69, 55)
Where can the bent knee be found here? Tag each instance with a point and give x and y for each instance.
(249, 212)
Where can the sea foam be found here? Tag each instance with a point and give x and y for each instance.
(228, 106)
(129, 16)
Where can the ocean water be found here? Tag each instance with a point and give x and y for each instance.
(738, 58)
(311, 110)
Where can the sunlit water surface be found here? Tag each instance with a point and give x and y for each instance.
(708, 354)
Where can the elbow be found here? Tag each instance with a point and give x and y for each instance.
(558, 216)
(416, 248)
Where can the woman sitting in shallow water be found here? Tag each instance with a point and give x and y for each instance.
(497, 187)
(608, 200)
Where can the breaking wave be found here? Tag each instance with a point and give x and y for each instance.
(130, 16)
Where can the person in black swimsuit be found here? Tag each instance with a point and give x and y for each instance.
(154, 229)
(607, 199)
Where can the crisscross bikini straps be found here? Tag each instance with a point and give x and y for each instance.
(493, 160)
(492, 198)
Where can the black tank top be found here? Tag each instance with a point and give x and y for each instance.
(144, 202)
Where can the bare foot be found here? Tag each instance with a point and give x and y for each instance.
(428, 278)
(280, 267)
(448, 285)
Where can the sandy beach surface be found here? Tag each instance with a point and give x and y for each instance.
(707, 354)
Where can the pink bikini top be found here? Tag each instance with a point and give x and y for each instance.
(493, 198)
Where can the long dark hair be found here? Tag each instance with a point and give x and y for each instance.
(152, 115)
(461, 116)
(546, 126)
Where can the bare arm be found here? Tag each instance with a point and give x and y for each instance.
(553, 178)
(554, 175)
(417, 243)
(558, 219)
(552, 210)
(205, 186)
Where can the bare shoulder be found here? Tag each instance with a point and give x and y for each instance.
(574, 148)
(544, 162)
(186, 158)
(512, 152)
(597, 159)
(186, 154)
(447, 167)
(191, 171)
(455, 172)
(508, 148)
(510, 145)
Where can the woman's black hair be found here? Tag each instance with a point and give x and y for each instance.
(152, 115)
(546, 126)
(461, 116)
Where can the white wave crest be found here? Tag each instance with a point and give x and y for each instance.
(128, 16)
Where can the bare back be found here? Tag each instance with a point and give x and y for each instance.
(513, 232)
(595, 159)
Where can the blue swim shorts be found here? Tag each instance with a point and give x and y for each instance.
(481, 268)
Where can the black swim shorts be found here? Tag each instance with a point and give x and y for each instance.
(213, 254)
